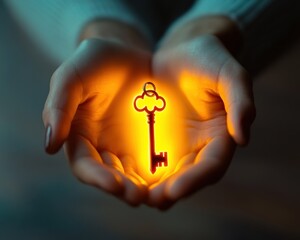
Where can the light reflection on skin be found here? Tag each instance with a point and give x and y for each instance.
(109, 121)
(168, 131)
(108, 144)
(184, 127)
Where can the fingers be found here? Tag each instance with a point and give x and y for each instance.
(210, 165)
(90, 168)
(63, 99)
(87, 165)
(134, 192)
(135, 188)
(235, 89)
(158, 196)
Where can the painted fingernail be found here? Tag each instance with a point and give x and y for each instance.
(48, 138)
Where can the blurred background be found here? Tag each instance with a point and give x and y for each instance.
(259, 197)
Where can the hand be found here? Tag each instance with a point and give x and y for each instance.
(82, 112)
(217, 97)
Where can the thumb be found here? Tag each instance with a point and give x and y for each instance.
(235, 89)
(63, 99)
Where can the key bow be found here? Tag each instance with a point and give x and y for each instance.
(149, 93)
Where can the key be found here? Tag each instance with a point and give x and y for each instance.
(157, 160)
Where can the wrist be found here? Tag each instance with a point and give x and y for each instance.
(220, 26)
(115, 31)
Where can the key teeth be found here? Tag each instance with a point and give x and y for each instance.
(165, 161)
(158, 160)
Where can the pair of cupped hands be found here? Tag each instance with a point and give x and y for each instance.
(80, 112)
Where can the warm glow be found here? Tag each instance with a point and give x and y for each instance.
(191, 100)
(202, 94)
(168, 131)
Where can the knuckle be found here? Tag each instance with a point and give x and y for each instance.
(248, 111)
(56, 77)
(218, 170)
(45, 114)
(63, 76)
(78, 167)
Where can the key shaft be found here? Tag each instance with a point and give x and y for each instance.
(156, 159)
(151, 121)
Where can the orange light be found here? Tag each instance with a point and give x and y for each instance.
(169, 135)
(200, 90)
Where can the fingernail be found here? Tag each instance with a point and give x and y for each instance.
(48, 138)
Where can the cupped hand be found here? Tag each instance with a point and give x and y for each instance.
(82, 113)
(218, 109)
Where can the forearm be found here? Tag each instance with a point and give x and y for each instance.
(227, 19)
(220, 26)
(115, 31)
(262, 26)
(56, 25)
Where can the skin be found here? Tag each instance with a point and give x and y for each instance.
(218, 95)
(196, 61)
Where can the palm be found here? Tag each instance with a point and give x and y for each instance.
(91, 104)
(203, 122)
(105, 129)
(89, 91)
(193, 71)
